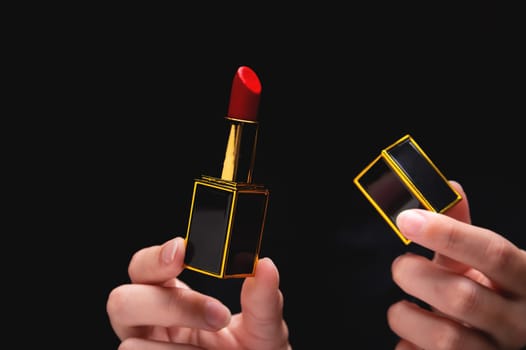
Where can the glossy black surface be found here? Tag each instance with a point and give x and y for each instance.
(246, 232)
(423, 175)
(225, 229)
(208, 228)
(387, 190)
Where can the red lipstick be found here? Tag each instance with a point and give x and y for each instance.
(245, 94)
(242, 118)
(227, 214)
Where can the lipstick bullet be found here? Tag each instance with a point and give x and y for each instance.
(228, 213)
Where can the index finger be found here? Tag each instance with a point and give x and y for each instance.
(157, 264)
(483, 249)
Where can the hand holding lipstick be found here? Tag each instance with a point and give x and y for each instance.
(228, 214)
(157, 310)
(475, 284)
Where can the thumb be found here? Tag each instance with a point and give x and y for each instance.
(262, 304)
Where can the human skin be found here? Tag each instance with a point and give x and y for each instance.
(158, 311)
(475, 285)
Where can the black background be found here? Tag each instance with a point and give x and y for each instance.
(127, 107)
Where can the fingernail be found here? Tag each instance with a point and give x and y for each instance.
(410, 222)
(216, 314)
(168, 251)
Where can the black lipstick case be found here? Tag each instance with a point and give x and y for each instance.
(228, 214)
(404, 177)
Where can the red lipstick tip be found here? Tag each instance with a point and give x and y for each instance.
(244, 97)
